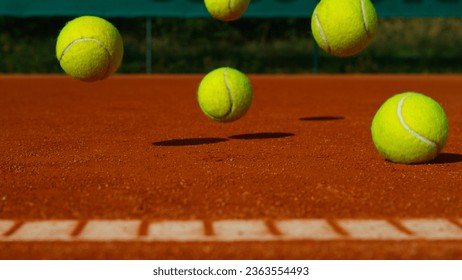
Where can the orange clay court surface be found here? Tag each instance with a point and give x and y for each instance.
(130, 168)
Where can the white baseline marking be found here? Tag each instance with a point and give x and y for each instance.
(230, 230)
(44, 230)
(176, 231)
(316, 229)
(372, 229)
(433, 229)
(237, 230)
(110, 230)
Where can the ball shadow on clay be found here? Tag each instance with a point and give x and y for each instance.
(189, 142)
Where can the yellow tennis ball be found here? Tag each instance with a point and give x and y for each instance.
(226, 10)
(410, 128)
(89, 48)
(344, 27)
(225, 94)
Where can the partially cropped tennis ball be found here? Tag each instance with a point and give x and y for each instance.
(410, 128)
(344, 27)
(89, 48)
(225, 94)
(226, 10)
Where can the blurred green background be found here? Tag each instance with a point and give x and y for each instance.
(417, 45)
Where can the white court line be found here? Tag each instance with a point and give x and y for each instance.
(241, 230)
(316, 229)
(176, 230)
(433, 229)
(231, 230)
(110, 230)
(372, 229)
(44, 230)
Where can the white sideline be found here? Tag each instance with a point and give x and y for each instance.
(231, 230)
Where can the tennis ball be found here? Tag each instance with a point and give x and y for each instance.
(225, 94)
(410, 128)
(344, 27)
(226, 10)
(89, 48)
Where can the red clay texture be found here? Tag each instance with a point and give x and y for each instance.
(138, 147)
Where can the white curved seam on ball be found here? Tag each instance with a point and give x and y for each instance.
(363, 11)
(228, 88)
(404, 124)
(82, 40)
(230, 5)
(321, 31)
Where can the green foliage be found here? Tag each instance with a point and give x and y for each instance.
(27, 45)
